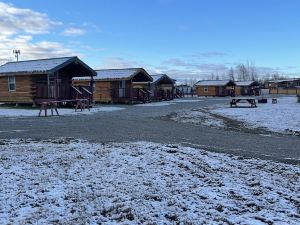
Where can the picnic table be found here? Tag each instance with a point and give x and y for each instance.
(80, 104)
(235, 100)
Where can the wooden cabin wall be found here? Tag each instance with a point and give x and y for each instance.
(81, 82)
(212, 91)
(166, 87)
(24, 92)
(238, 90)
(286, 91)
(141, 85)
(103, 91)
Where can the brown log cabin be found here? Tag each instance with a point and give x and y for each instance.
(130, 85)
(216, 88)
(162, 87)
(36, 81)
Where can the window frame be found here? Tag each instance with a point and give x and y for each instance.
(205, 89)
(10, 82)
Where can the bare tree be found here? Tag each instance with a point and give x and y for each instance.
(242, 72)
(191, 82)
(212, 76)
(231, 74)
(251, 70)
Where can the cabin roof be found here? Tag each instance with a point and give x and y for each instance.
(158, 77)
(40, 66)
(117, 74)
(214, 82)
(282, 81)
(245, 83)
(30, 66)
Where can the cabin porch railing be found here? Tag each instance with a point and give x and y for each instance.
(62, 92)
(131, 94)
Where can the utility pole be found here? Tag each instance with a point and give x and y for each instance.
(17, 52)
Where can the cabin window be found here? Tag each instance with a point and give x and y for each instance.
(205, 89)
(11, 83)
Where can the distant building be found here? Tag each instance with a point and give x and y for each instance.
(162, 87)
(218, 88)
(286, 86)
(185, 89)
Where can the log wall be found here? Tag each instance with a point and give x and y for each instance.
(24, 92)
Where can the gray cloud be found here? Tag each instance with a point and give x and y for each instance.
(18, 27)
(73, 31)
(190, 65)
(118, 63)
(14, 20)
(209, 54)
(31, 50)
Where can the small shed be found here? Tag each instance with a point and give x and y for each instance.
(218, 88)
(247, 88)
(34, 81)
(130, 85)
(162, 87)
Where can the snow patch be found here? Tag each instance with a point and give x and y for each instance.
(69, 181)
(156, 104)
(197, 117)
(186, 100)
(281, 117)
(11, 112)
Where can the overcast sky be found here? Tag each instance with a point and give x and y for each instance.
(184, 38)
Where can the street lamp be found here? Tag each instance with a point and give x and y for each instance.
(17, 52)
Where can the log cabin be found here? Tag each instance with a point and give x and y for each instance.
(36, 81)
(131, 85)
(216, 88)
(247, 88)
(162, 87)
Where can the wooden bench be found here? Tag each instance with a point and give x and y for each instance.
(234, 101)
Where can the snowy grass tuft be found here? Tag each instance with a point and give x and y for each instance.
(68, 181)
(197, 117)
(280, 117)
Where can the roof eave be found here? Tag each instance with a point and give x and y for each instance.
(22, 73)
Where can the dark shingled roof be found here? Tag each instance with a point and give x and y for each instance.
(40, 66)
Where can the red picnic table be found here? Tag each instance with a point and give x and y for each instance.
(53, 105)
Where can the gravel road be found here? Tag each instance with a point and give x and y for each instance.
(141, 123)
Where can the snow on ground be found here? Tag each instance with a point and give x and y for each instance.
(280, 117)
(174, 101)
(17, 112)
(197, 117)
(156, 104)
(186, 100)
(70, 181)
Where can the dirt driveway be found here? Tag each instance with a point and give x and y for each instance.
(149, 123)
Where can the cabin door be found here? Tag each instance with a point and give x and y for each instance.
(122, 89)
